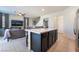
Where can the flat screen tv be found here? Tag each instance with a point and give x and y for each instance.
(16, 23)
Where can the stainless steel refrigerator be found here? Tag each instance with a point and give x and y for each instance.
(76, 29)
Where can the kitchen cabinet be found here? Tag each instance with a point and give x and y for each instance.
(43, 41)
(36, 42)
(51, 38)
(55, 36)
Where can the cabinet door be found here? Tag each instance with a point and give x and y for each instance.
(55, 35)
(44, 42)
(50, 42)
(36, 42)
(26, 34)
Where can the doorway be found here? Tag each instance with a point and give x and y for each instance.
(60, 24)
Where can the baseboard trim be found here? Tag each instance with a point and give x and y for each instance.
(73, 37)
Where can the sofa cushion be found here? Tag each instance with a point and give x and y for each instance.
(17, 33)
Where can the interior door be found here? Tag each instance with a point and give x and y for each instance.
(60, 24)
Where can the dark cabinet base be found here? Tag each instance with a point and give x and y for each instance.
(42, 42)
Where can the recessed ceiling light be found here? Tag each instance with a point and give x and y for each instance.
(43, 9)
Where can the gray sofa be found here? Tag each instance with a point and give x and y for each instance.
(17, 33)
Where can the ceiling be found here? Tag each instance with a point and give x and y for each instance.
(32, 11)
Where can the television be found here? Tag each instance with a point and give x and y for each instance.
(16, 23)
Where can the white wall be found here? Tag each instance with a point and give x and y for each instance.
(69, 17)
(68, 14)
(60, 22)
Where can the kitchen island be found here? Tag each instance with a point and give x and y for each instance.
(40, 40)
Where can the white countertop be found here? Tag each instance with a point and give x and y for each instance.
(40, 30)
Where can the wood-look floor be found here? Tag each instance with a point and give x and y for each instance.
(63, 44)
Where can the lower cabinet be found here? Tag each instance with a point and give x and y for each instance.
(55, 36)
(36, 42)
(51, 38)
(43, 41)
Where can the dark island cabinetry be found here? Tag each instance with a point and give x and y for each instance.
(43, 41)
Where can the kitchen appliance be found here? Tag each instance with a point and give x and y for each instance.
(76, 30)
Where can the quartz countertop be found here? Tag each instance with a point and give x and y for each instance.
(40, 30)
